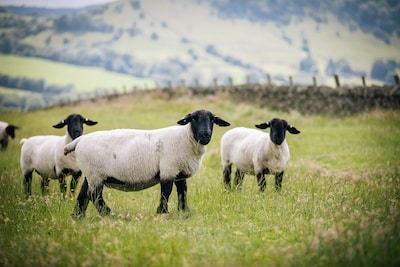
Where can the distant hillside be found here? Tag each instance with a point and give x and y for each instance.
(37, 11)
(187, 40)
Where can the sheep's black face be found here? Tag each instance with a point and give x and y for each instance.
(10, 131)
(202, 123)
(202, 126)
(74, 124)
(278, 131)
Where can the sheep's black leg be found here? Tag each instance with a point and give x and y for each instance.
(63, 184)
(238, 181)
(82, 201)
(97, 198)
(166, 189)
(4, 144)
(278, 181)
(44, 185)
(227, 177)
(74, 181)
(28, 183)
(181, 188)
(262, 184)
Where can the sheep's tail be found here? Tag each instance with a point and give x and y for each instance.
(71, 146)
(22, 141)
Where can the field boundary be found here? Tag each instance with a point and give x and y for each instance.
(304, 99)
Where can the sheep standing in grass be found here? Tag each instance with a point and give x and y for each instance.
(7, 131)
(45, 155)
(257, 153)
(133, 160)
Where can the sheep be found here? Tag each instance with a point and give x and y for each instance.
(256, 153)
(44, 154)
(133, 160)
(7, 131)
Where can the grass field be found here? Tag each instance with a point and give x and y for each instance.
(339, 205)
(83, 79)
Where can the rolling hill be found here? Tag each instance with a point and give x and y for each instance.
(188, 40)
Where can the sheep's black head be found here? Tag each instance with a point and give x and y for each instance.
(75, 124)
(202, 122)
(10, 131)
(278, 130)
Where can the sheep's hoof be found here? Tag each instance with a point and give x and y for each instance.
(105, 211)
(162, 210)
(77, 216)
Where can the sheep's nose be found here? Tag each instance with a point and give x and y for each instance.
(206, 135)
(76, 134)
(204, 138)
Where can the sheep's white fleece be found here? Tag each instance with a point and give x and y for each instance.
(135, 157)
(45, 154)
(252, 151)
(3, 134)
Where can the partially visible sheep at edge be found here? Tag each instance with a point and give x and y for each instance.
(256, 153)
(133, 160)
(44, 154)
(7, 131)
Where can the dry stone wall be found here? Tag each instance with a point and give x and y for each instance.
(314, 100)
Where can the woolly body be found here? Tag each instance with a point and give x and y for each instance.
(45, 155)
(252, 151)
(7, 132)
(132, 160)
(138, 159)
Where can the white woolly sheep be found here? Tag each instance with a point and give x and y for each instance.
(7, 131)
(44, 154)
(257, 153)
(133, 160)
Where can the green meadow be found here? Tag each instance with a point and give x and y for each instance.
(83, 79)
(339, 205)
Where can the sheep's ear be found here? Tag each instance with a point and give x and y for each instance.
(263, 125)
(61, 124)
(292, 130)
(185, 120)
(220, 122)
(89, 122)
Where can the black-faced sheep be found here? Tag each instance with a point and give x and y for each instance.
(7, 131)
(45, 155)
(257, 153)
(132, 160)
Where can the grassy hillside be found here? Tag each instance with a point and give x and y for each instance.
(339, 205)
(83, 79)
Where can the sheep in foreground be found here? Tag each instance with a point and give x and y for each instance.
(7, 131)
(45, 155)
(257, 153)
(133, 160)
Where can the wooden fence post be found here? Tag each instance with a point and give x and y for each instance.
(363, 80)
(247, 79)
(314, 81)
(290, 80)
(268, 79)
(337, 81)
(215, 82)
(396, 79)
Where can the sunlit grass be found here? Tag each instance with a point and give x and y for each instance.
(339, 205)
(83, 79)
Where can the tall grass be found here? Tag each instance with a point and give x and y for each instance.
(339, 205)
